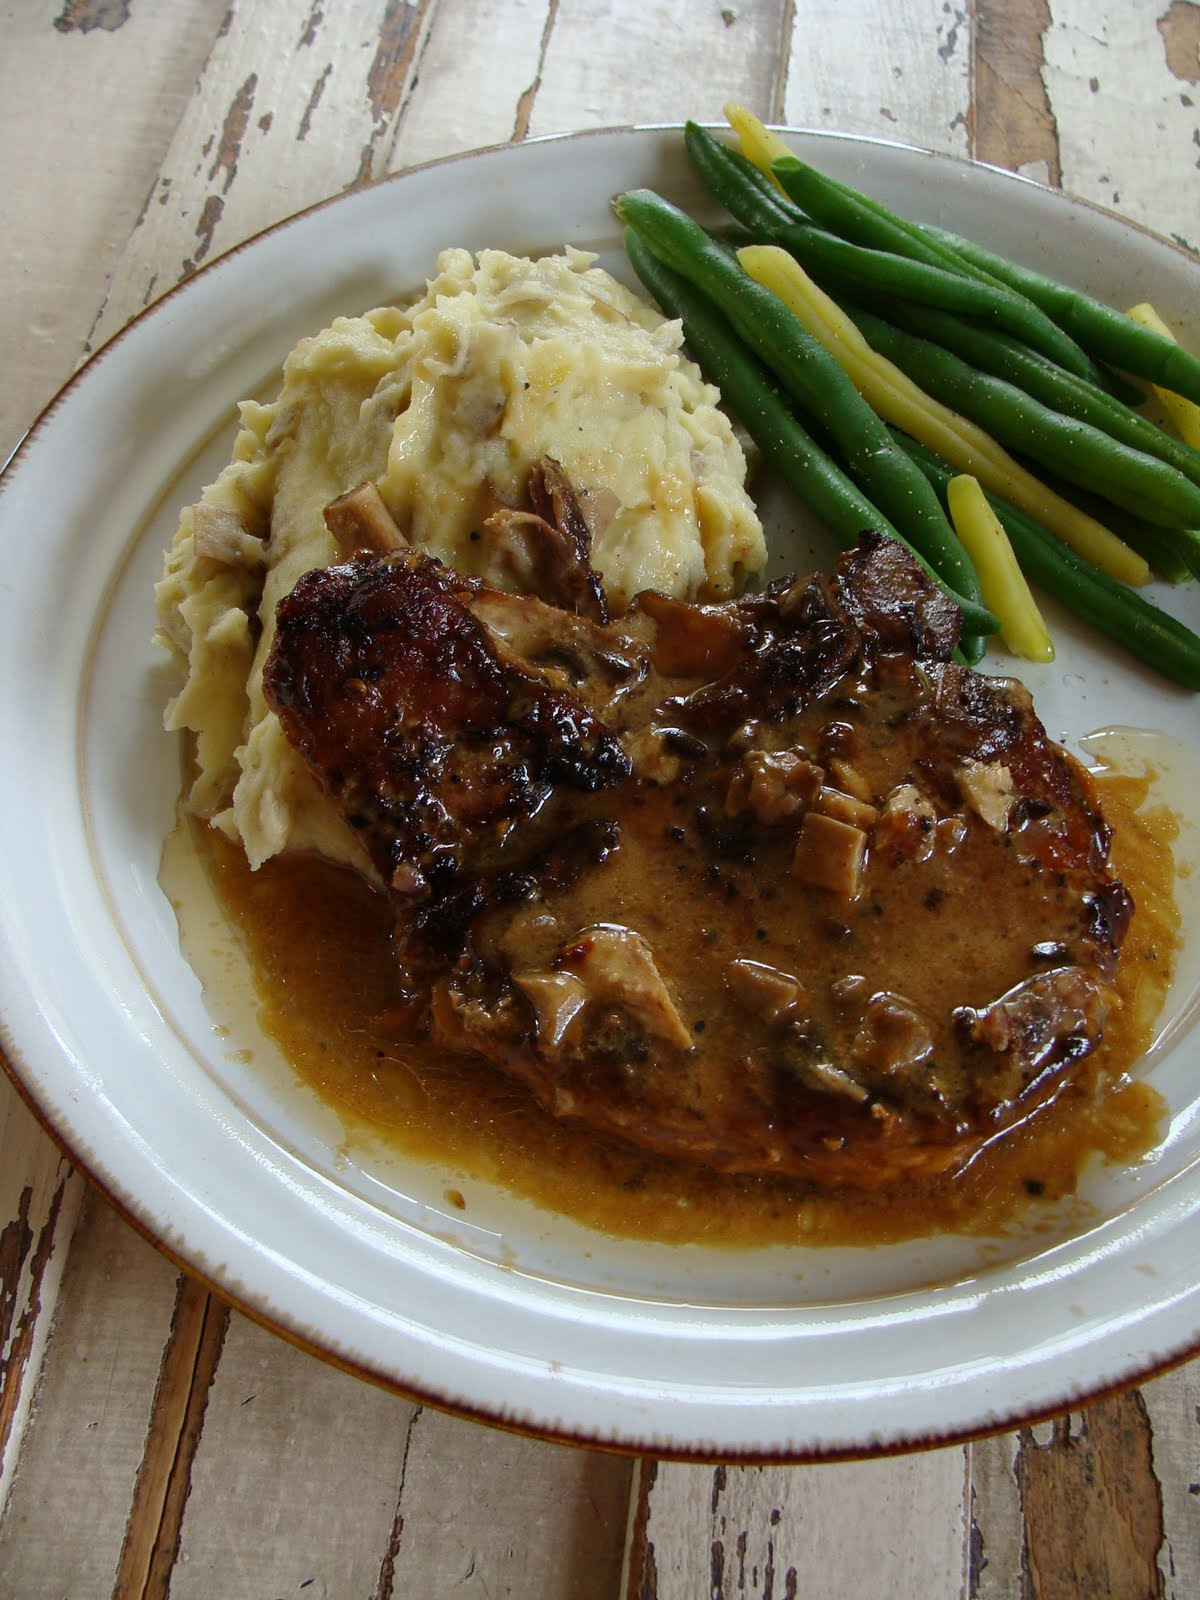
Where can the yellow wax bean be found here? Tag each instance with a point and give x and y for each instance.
(959, 442)
(1184, 413)
(758, 143)
(1001, 581)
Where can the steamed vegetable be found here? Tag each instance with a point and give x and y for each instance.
(1000, 577)
(811, 375)
(754, 397)
(1146, 631)
(898, 400)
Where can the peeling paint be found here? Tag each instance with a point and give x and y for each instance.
(1013, 121)
(214, 208)
(401, 29)
(1179, 27)
(82, 16)
(233, 131)
(312, 25)
(950, 44)
(314, 100)
(23, 1260)
(525, 103)
(1096, 1472)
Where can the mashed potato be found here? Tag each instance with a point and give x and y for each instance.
(445, 405)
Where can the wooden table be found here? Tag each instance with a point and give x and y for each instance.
(151, 1440)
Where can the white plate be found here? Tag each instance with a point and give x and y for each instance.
(514, 1316)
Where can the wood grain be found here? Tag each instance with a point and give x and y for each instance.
(767, 1531)
(762, 1532)
(1092, 1505)
(1012, 124)
(72, 195)
(1127, 120)
(189, 1365)
(895, 71)
(282, 116)
(39, 1199)
(90, 1417)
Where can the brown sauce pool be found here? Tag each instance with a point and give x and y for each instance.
(318, 939)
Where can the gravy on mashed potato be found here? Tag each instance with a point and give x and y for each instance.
(444, 405)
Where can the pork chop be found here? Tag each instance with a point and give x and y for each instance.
(772, 886)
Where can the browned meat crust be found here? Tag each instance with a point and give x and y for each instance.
(774, 886)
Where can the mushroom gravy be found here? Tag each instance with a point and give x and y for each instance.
(319, 940)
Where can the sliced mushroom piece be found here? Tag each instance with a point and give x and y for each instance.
(987, 787)
(766, 991)
(893, 1037)
(557, 999)
(219, 534)
(359, 520)
(546, 551)
(845, 808)
(690, 640)
(616, 966)
(830, 855)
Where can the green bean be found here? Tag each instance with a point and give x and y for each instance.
(1173, 553)
(860, 219)
(1063, 391)
(751, 394)
(1107, 334)
(839, 266)
(744, 191)
(1073, 449)
(1147, 632)
(811, 376)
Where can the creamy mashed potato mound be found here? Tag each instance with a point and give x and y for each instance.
(445, 405)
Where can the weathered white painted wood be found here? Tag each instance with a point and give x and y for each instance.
(295, 104)
(64, 1521)
(496, 48)
(296, 1478)
(823, 1532)
(39, 1201)
(486, 1513)
(85, 118)
(660, 61)
(994, 1532)
(1171, 1405)
(895, 70)
(102, 145)
(1128, 123)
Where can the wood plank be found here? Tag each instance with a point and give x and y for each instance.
(289, 110)
(1172, 1405)
(76, 164)
(39, 1201)
(995, 1533)
(1133, 68)
(498, 49)
(295, 1479)
(894, 70)
(701, 56)
(91, 1410)
(559, 65)
(823, 1531)
(160, 1494)
(488, 1513)
(1091, 1504)
(1011, 122)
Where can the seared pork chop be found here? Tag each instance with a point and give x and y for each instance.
(773, 886)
